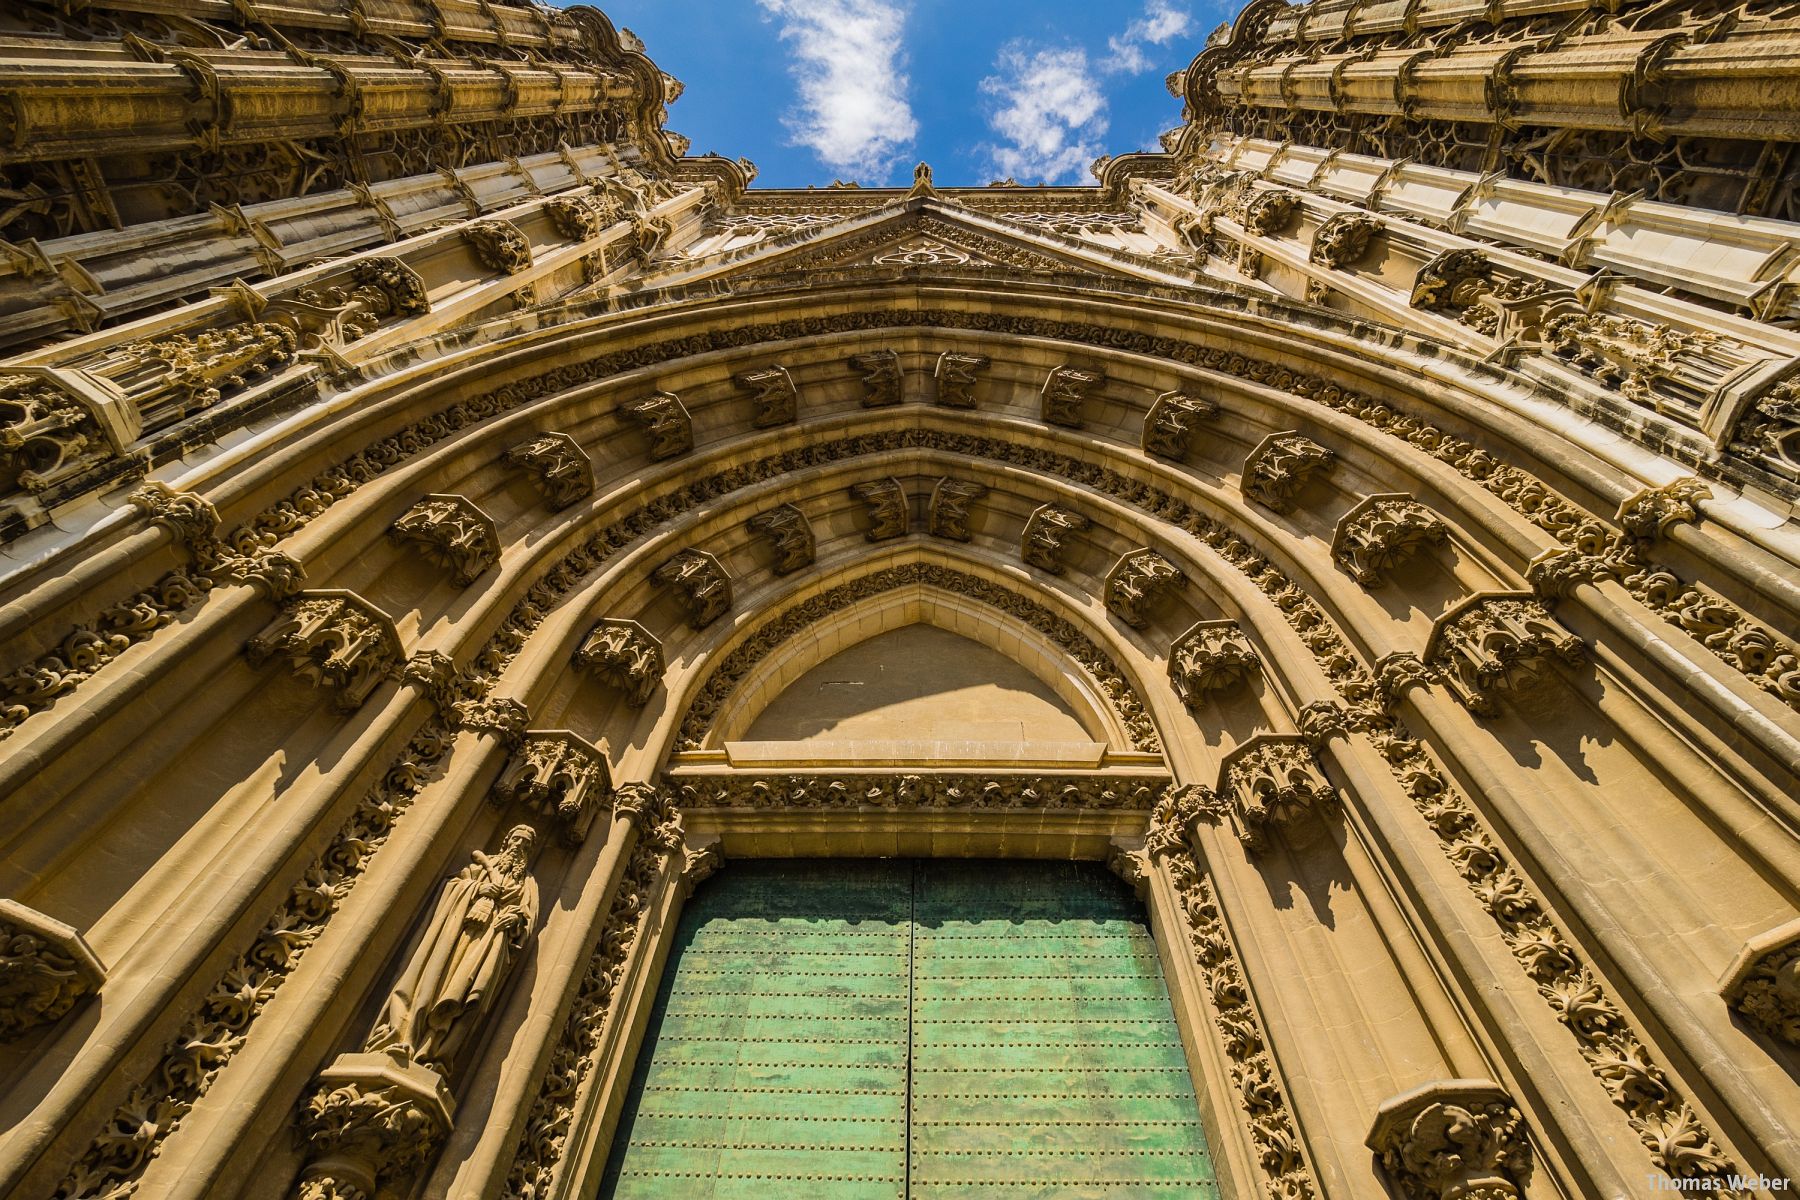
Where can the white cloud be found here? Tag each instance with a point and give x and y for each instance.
(1161, 24)
(853, 113)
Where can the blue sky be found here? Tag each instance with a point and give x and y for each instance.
(817, 90)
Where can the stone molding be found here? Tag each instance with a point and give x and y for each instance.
(1459, 1139)
(1497, 643)
(1382, 531)
(452, 532)
(789, 534)
(1210, 658)
(904, 792)
(1137, 583)
(46, 969)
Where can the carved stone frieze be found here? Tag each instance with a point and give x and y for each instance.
(1496, 643)
(46, 969)
(1280, 467)
(560, 775)
(702, 583)
(1343, 240)
(947, 514)
(1267, 782)
(1169, 425)
(1461, 1139)
(452, 532)
(499, 245)
(333, 639)
(889, 512)
(883, 380)
(559, 467)
(1046, 532)
(625, 655)
(1648, 515)
(1211, 657)
(664, 419)
(1381, 532)
(774, 394)
(189, 517)
(957, 374)
(1066, 393)
(918, 792)
(1763, 983)
(1137, 582)
(789, 534)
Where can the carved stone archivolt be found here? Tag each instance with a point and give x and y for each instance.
(499, 245)
(883, 380)
(1460, 1139)
(885, 502)
(1763, 983)
(665, 421)
(774, 395)
(1047, 530)
(903, 792)
(789, 534)
(558, 466)
(1137, 583)
(452, 532)
(625, 655)
(560, 775)
(1381, 532)
(1211, 657)
(701, 582)
(1497, 643)
(1169, 425)
(335, 640)
(947, 513)
(957, 374)
(1268, 782)
(46, 969)
(1280, 467)
(1066, 393)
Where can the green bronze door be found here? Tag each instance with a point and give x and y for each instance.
(855, 1029)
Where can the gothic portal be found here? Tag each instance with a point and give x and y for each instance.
(445, 522)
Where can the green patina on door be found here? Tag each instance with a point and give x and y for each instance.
(930, 1029)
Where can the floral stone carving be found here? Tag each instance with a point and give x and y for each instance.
(1763, 983)
(1169, 425)
(957, 375)
(576, 218)
(1494, 643)
(948, 513)
(499, 245)
(1649, 514)
(1066, 391)
(190, 518)
(375, 1120)
(882, 378)
(452, 532)
(559, 468)
(1135, 584)
(1267, 782)
(1280, 467)
(1212, 656)
(1045, 530)
(624, 654)
(1461, 1139)
(1344, 239)
(46, 968)
(890, 516)
(776, 397)
(790, 534)
(701, 580)
(1381, 532)
(665, 419)
(333, 639)
(557, 773)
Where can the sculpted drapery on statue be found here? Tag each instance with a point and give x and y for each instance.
(480, 925)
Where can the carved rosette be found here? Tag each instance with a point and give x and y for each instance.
(1381, 532)
(498, 245)
(558, 774)
(1066, 393)
(46, 968)
(559, 468)
(956, 375)
(1137, 582)
(1280, 467)
(333, 639)
(1212, 656)
(452, 532)
(947, 516)
(702, 583)
(1045, 533)
(1266, 212)
(624, 655)
(882, 379)
(1648, 515)
(1343, 240)
(1169, 425)
(884, 500)
(1460, 1139)
(789, 534)
(190, 518)
(665, 421)
(1267, 782)
(1763, 983)
(373, 1123)
(774, 394)
(1496, 643)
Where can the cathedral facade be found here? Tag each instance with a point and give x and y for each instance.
(533, 668)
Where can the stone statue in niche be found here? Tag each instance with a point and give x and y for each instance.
(483, 918)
